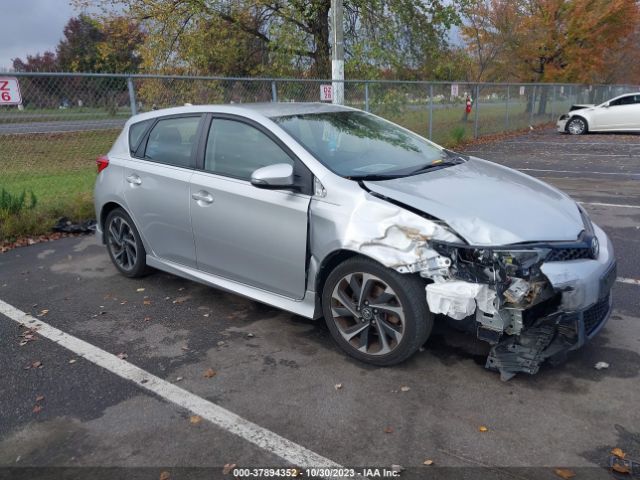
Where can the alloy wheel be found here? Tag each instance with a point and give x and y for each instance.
(122, 243)
(576, 126)
(368, 313)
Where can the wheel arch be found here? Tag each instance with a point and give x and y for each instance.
(327, 265)
(106, 209)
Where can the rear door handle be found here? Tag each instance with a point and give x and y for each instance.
(202, 196)
(134, 179)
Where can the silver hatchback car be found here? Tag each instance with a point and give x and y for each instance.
(328, 211)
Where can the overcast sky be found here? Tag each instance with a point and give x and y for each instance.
(30, 27)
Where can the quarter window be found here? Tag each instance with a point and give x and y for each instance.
(136, 131)
(172, 141)
(235, 149)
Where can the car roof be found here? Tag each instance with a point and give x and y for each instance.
(266, 109)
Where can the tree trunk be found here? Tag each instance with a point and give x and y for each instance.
(542, 105)
(320, 29)
(530, 98)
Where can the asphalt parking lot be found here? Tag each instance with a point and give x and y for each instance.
(283, 373)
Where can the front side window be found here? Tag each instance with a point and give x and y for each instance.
(235, 149)
(628, 100)
(172, 141)
(359, 145)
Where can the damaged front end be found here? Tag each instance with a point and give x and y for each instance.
(514, 305)
(532, 302)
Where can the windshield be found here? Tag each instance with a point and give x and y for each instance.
(359, 145)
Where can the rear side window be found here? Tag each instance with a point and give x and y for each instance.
(172, 141)
(136, 132)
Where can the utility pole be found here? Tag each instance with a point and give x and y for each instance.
(337, 52)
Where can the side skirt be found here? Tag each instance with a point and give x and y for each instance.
(304, 307)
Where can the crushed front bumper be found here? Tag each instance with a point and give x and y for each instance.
(550, 338)
(585, 306)
(561, 124)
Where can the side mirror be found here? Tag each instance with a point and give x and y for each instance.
(273, 177)
(606, 105)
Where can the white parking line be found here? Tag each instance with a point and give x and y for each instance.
(269, 441)
(572, 144)
(615, 205)
(493, 152)
(625, 174)
(632, 281)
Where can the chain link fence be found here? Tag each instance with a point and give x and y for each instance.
(49, 143)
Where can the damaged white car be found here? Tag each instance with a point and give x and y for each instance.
(328, 211)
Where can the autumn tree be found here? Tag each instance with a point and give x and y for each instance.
(45, 62)
(78, 50)
(249, 37)
(548, 40)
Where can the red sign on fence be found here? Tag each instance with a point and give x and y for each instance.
(10, 91)
(326, 93)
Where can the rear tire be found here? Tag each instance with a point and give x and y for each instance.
(577, 126)
(125, 245)
(374, 313)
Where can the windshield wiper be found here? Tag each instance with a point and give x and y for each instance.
(438, 164)
(374, 177)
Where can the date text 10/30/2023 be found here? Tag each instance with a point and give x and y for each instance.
(313, 473)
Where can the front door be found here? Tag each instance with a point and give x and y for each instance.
(617, 115)
(157, 188)
(253, 236)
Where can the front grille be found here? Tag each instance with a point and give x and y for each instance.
(572, 253)
(595, 315)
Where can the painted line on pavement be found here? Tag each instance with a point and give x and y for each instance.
(631, 281)
(616, 205)
(294, 454)
(572, 144)
(554, 154)
(625, 174)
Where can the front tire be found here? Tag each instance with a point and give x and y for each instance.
(124, 244)
(577, 126)
(376, 314)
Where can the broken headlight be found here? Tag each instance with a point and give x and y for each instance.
(493, 266)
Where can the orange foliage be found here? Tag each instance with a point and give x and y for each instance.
(555, 40)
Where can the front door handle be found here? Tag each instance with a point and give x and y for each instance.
(202, 196)
(134, 179)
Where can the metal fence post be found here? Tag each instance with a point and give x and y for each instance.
(430, 111)
(274, 91)
(553, 99)
(477, 105)
(132, 96)
(533, 106)
(366, 96)
(506, 121)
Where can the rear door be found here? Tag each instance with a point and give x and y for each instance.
(157, 187)
(250, 235)
(633, 119)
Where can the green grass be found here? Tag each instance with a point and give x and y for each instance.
(448, 120)
(59, 169)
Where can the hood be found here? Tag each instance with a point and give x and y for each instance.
(488, 204)
(580, 106)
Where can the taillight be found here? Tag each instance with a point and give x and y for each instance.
(102, 162)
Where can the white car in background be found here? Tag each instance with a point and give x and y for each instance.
(620, 114)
